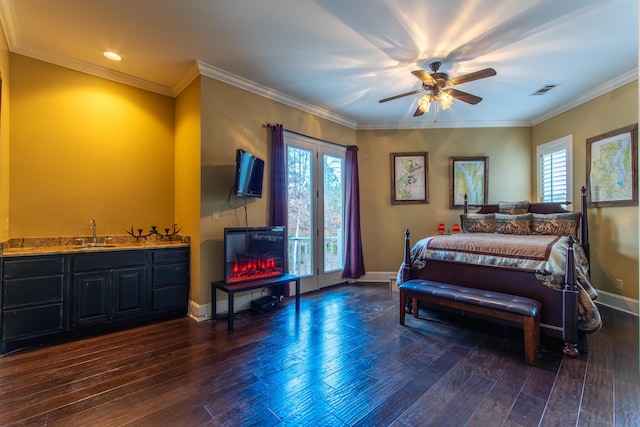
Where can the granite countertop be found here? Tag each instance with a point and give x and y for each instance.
(63, 245)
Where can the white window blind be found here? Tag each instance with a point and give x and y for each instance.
(555, 170)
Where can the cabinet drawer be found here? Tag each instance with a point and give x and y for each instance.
(32, 290)
(32, 322)
(102, 261)
(28, 267)
(170, 256)
(174, 297)
(170, 274)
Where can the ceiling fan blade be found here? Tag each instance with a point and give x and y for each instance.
(418, 112)
(401, 95)
(464, 96)
(425, 77)
(487, 72)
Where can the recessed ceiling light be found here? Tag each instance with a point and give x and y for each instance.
(112, 56)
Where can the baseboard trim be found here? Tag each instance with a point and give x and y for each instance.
(378, 276)
(628, 305)
(203, 312)
(618, 302)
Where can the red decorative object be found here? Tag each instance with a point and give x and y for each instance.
(456, 228)
(441, 228)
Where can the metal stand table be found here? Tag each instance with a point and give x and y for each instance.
(233, 288)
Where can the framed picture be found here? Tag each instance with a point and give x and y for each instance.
(612, 168)
(468, 176)
(409, 176)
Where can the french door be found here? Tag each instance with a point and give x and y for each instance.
(315, 211)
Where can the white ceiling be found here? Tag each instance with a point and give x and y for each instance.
(337, 58)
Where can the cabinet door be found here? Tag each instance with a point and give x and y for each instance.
(129, 292)
(92, 298)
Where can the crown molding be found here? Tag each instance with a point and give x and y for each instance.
(444, 125)
(588, 96)
(242, 83)
(190, 75)
(93, 70)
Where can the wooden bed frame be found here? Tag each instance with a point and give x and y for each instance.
(559, 314)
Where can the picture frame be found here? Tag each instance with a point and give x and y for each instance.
(468, 176)
(612, 168)
(409, 178)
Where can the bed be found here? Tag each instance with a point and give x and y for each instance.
(534, 250)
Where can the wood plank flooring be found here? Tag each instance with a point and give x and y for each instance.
(344, 360)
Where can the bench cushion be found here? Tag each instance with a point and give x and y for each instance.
(494, 300)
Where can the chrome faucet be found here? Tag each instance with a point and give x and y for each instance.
(92, 226)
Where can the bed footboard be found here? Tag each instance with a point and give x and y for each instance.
(559, 314)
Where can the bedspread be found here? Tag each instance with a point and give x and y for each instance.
(535, 252)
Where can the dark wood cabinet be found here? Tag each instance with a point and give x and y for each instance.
(170, 280)
(33, 297)
(63, 294)
(109, 286)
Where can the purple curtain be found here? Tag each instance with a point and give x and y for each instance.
(278, 181)
(278, 184)
(354, 262)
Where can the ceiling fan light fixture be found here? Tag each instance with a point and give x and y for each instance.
(446, 100)
(424, 103)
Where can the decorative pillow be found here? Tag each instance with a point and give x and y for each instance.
(513, 224)
(478, 223)
(513, 208)
(558, 224)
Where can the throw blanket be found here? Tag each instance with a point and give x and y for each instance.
(532, 251)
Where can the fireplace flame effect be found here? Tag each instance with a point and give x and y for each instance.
(249, 269)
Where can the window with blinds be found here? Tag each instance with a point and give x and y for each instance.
(554, 170)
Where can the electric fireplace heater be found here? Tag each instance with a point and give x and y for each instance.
(252, 253)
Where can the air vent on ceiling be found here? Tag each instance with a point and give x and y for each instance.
(544, 89)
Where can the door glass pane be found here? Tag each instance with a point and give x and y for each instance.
(300, 219)
(333, 213)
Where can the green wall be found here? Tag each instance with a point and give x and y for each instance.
(383, 223)
(613, 231)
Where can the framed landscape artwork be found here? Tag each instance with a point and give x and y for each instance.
(409, 178)
(612, 168)
(468, 176)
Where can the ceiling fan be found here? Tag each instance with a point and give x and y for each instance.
(437, 84)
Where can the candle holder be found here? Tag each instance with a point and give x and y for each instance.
(154, 230)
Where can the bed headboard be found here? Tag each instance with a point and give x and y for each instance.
(540, 208)
(547, 208)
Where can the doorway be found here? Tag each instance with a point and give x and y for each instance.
(316, 194)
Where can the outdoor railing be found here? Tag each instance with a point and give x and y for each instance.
(301, 253)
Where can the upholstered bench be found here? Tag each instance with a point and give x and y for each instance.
(494, 305)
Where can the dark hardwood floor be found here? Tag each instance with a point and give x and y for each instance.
(343, 360)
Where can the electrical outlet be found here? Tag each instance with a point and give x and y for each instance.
(215, 216)
(619, 284)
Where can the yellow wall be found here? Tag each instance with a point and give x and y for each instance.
(5, 106)
(83, 147)
(187, 173)
(234, 118)
(613, 232)
(383, 224)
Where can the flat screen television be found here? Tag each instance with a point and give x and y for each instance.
(249, 172)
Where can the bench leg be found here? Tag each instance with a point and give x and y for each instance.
(415, 307)
(531, 327)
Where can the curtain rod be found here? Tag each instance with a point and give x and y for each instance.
(269, 125)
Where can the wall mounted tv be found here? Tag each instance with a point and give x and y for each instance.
(249, 172)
